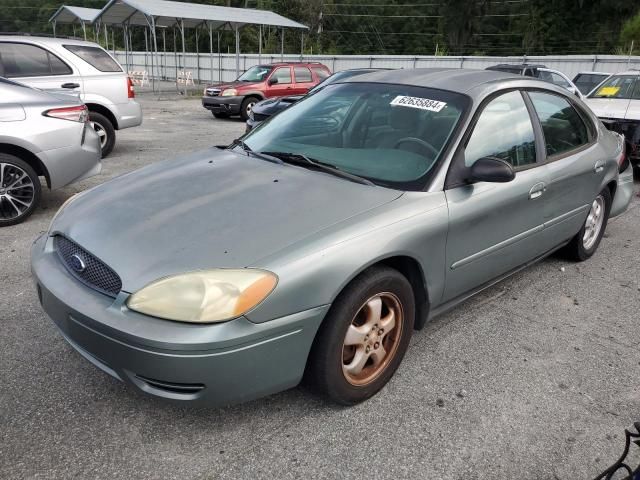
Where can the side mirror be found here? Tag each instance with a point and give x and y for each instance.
(272, 81)
(492, 169)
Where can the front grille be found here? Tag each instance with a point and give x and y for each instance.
(85, 267)
(213, 92)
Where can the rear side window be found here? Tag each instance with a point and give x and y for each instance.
(23, 60)
(303, 74)
(96, 57)
(587, 81)
(504, 130)
(563, 128)
(320, 72)
(618, 86)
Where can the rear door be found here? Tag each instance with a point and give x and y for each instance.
(39, 67)
(283, 82)
(303, 80)
(575, 162)
(496, 227)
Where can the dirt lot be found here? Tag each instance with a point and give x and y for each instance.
(536, 378)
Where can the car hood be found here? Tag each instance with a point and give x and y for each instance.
(609, 107)
(272, 106)
(212, 209)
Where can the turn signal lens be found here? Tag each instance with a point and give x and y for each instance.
(204, 296)
(75, 114)
(229, 92)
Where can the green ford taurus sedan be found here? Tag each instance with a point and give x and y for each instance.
(314, 246)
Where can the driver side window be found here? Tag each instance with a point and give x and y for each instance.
(503, 130)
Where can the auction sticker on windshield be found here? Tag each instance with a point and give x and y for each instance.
(417, 102)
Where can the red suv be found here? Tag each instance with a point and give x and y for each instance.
(260, 82)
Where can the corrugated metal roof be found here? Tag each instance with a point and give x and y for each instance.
(168, 13)
(70, 14)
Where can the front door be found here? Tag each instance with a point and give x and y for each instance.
(496, 227)
(283, 85)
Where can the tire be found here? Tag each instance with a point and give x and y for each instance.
(220, 115)
(583, 246)
(332, 369)
(107, 133)
(246, 106)
(18, 198)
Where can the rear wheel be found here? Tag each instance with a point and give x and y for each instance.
(586, 241)
(106, 132)
(19, 190)
(247, 105)
(364, 337)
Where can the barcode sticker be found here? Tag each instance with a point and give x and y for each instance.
(420, 103)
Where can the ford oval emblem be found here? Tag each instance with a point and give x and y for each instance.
(77, 263)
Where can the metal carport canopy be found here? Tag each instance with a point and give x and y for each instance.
(69, 14)
(168, 14)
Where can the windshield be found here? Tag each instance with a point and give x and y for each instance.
(393, 135)
(255, 74)
(618, 86)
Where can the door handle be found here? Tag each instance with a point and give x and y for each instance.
(537, 190)
(598, 167)
(70, 85)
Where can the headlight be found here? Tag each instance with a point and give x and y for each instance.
(204, 296)
(229, 92)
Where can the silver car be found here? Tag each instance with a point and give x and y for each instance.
(41, 135)
(79, 68)
(318, 243)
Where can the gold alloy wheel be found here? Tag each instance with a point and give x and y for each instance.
(372, 339)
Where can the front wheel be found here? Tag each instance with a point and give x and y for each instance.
(106, 132)
(364, 337)
(586, 241)
(245, 108)
(19, 190)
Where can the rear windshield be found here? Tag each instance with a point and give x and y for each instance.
(96, 57)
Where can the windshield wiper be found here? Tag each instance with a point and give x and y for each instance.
(304, 161)
(263, 156)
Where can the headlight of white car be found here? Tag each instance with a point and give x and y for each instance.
(204, 296)
(229, 92)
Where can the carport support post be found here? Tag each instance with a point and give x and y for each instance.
(154, 57)
(54, 28)
(184, 58)
(84, 31)
(126, 47)
(237, 51)
(175, 57)
(197, 57)
(146, 49)
(106, 37)
(301, 45)
(219, 59)
(260, 44)
(282, 44)
(210, 52)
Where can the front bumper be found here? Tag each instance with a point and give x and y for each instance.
(213, 365)
(227, 105)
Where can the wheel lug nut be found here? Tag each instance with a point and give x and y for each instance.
(376, 345)
(368, 349)
(381, 331)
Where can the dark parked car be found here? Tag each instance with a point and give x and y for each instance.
(260, 82)
(267, 108)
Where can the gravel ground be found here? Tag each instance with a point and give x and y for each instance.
(535, 378)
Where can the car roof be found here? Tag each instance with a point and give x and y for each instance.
(627, 72)
(281, 64)
(518, 65)
(592, 73)
(45, 40)
(460, 80)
